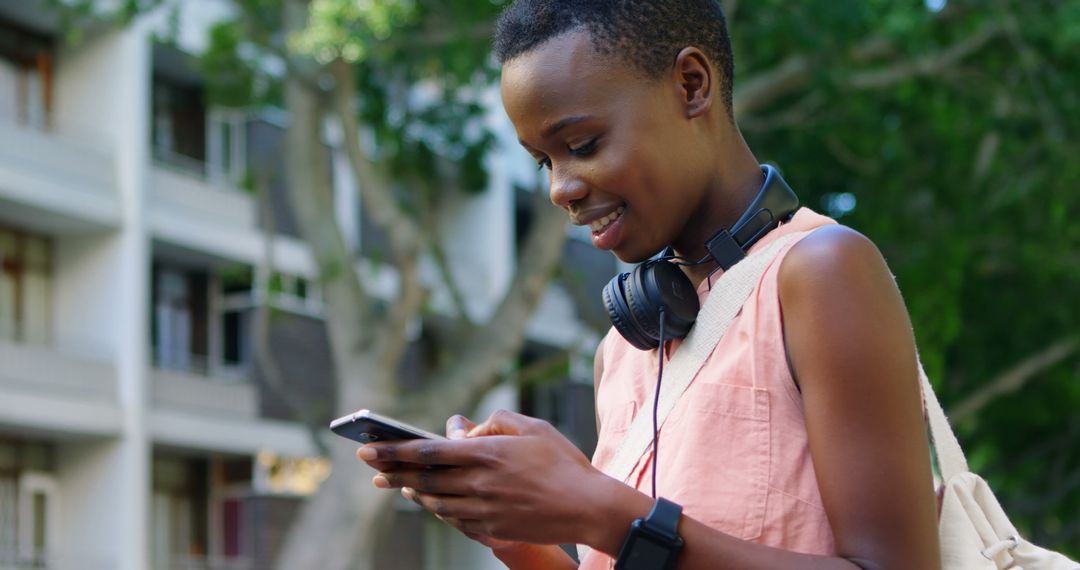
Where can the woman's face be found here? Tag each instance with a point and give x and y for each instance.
(620, 148)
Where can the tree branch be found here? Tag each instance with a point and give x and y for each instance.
(459, 387)
(765, 88)
(312, 199)
(1014, 379)
(991, 141)
(795, 116)
(442, 263)
(264, 354)
(402, 232)
(929, 64)
(848, 158)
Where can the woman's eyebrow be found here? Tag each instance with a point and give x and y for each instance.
(563, 123)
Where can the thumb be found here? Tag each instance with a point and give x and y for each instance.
(458, 426)
(503, 422)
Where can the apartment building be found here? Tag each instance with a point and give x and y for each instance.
(136, 430)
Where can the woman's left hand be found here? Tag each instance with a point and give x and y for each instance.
(513, 478)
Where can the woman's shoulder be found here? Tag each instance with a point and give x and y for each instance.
(831, 257)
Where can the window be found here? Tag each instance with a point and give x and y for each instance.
(179, 126)
(201, 324)
(179, 516)
(235, 317)
(28, 504)
(26, 73)
(227, 148)
(25, 287)
(180, 325)
(37, 518)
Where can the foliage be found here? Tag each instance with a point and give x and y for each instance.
(423, 137)
(966, 178)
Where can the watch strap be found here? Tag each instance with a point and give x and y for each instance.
(664, 518)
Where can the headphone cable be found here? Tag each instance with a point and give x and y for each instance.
(656, 406)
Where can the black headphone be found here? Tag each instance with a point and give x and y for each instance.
(658, 294)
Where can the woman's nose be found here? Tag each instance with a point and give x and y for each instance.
(566, 188)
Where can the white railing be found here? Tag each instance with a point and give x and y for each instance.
(183, 562)
(57, 156)
(46, 369)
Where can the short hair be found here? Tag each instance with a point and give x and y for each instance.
(646, 33)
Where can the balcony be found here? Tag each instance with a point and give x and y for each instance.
(198, 412)
(42, 388)
(185, 391)
(187, 210)
(55, 184)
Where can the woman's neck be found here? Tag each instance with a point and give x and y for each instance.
(737, 180)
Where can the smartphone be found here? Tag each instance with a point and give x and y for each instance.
(366, 426)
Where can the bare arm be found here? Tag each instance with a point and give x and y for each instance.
(536, 557)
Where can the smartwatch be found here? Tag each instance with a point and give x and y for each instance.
(654, 542)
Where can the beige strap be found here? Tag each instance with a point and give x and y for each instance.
(950, 456)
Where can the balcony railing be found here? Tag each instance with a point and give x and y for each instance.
(44, 369)
(184, 562)
(57, 173)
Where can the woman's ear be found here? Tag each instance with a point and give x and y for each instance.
(694, 81)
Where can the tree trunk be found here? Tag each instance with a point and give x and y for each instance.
(337, 527)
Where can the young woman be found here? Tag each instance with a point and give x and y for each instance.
(801, 443)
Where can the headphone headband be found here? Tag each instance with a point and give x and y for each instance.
(776, 202)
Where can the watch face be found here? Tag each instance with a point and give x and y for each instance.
(646, 552)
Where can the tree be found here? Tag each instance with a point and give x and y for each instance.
(942, 129)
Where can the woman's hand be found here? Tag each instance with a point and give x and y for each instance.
(457, 427)
(513, 478)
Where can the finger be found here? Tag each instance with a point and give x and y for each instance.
(381, 465)
(451, 510)
(433, 481)
(458, 426)
(443, 453)
(473, 527)
(503, 422)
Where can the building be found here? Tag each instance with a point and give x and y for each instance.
(136, 430)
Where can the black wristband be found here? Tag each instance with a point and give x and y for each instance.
(653, 542)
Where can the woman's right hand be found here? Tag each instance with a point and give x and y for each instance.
(458, 427)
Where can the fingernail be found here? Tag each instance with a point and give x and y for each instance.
(408, 493)
(457, 433)
(381, 482)
(367, 453)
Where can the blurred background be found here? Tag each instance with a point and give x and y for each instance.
(225, 222)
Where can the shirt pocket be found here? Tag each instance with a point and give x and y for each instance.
(720, 463)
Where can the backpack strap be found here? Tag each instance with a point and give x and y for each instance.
(949, 454)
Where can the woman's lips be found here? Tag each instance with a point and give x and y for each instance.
(607, 236)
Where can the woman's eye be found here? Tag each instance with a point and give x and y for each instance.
(542, 164)
(585, 149)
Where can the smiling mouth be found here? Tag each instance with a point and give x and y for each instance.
(602, 223)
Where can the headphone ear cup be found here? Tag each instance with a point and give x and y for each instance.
(665, 285)
(614, 295)
(643, 306)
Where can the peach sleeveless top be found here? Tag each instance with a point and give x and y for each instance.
(734, 450)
